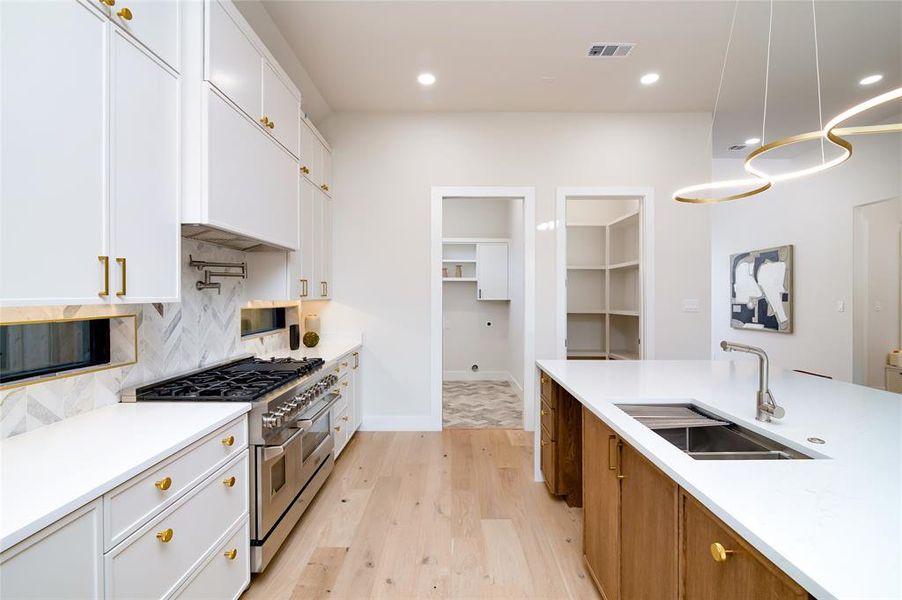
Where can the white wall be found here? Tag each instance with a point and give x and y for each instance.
(386, 164)
(815, 214)
(877, 275)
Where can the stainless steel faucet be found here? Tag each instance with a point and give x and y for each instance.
(765, 406)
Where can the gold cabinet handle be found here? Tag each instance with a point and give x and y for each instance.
(121, 262)
(164, 484)
(228, 441)
(323, 288)
(719, 553)
(165, 536)
(620, 474)
(337, 428)
(356, 359)
(345, 418)
(229, 481)
(125, 13)
(612, 449)
(105, 260)
(303, 288)
(344, 364)
(231, 554)
(108, 2)
(305, 170)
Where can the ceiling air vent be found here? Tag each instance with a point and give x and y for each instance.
(611, 50)
(736, 147)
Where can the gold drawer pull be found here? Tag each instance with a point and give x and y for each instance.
(345, 418)
(125, 13)
(229, 481)
(719, 553)
(612, 452)
(543, 412)
(344, 383)
(324, 187)
(305, 170)
(165, 536)
(542, 443)
(106, 270)
(228, 441)
(337, 428)
(231, 554)
(121, 261)
(264, 120)
(108, 2)
(164, 484)
(344, 364)
(543, 379)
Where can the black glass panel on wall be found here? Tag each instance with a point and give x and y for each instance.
(255, 321)
(35, 349)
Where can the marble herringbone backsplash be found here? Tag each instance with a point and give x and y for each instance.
(202, 329)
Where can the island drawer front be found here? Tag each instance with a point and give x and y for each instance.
(344, 365)
(148, 564)
(744, 573)
(549, 467)
(136, 501)
(547, 414)
(226, 571)
(547, 386)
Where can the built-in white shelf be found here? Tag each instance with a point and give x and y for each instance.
(586, 267)
(463, 279)
(622, 219)
(623, 313)
(589, 311)
(630, 264)
(623, 355)
(459, 260)
(586, 354)
(586, 224)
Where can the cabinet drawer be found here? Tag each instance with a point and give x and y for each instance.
(547, 416)
(154, 23)
(741, 573)
(227, 570)
(547, 386)
(549, 466)
(130, 505)
(145, 565)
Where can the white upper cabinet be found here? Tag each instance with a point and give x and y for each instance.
(325, 246)
(251, 181)
(303, 261)
(144, 167)
(233, 63)
(492, 271)
(155, 23)
(311, 154)
(280, 109)
(326, 184)
(52, 203)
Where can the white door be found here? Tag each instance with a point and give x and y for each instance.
(302, 261)
(281, 109)
(155, 23)
(144, 193)
(491, 271)
(233, 64)
(72, 547)
(53, 182)
(325, 247)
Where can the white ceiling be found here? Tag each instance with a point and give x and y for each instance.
(531, 56)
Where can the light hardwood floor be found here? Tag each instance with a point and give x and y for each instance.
(454, 514)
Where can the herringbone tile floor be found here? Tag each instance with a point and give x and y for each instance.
(480, 405)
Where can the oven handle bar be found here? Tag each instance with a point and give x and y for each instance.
(271, 452)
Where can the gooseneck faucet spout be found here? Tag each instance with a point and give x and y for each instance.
(765, 407)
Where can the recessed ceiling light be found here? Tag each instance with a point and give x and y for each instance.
(426, 78)
(870, 79)
(649, 78)
(751, 141)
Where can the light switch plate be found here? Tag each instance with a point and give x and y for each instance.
(840, 306)
(691, 305)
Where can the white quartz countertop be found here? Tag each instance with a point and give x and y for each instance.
(833, 524)
(47, 473)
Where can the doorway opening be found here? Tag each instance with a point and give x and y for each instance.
(482, 309)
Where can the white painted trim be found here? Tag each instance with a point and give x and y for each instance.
(515, 386)
(399, 423)
(528, 195)
(477, 376)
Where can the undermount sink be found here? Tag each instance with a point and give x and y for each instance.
(707, 437)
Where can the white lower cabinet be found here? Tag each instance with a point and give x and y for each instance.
(346, 414)
(64, 560)
(179, 528)
(357, 395)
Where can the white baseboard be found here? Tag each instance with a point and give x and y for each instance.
(400, 423)
(518, 389)
(477, 376)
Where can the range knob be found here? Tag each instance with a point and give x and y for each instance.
(271, 421)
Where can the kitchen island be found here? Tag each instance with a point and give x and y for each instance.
(833, 524)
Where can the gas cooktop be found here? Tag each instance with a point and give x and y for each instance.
(243, 380)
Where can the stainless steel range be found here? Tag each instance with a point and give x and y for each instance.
(289, 431)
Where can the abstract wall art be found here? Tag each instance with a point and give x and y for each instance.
(761, 290)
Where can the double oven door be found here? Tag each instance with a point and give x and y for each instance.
(283, 469)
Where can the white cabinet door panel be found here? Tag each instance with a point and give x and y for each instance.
(155, 23)
(327, 169)
(281, 108)
(144, 162)
(65, 560)
(325, 248)
(492, 271)
(53, 191)
(302, 261)
(233, 63)
(311, 154)
(240, 159)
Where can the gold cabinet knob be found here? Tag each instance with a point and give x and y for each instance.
(542, 412)
(543, 379)
(542, 443)
(344, 383)
(108, 2)
(338, 428)
(228, 441)
(264, 120)
(324, 187)
(231, 554)
(345, 418)
(164, 484)
(165, 536)
(271, 124)
(719, 553)
(229, 481)
(124, 13)
(305, 170)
